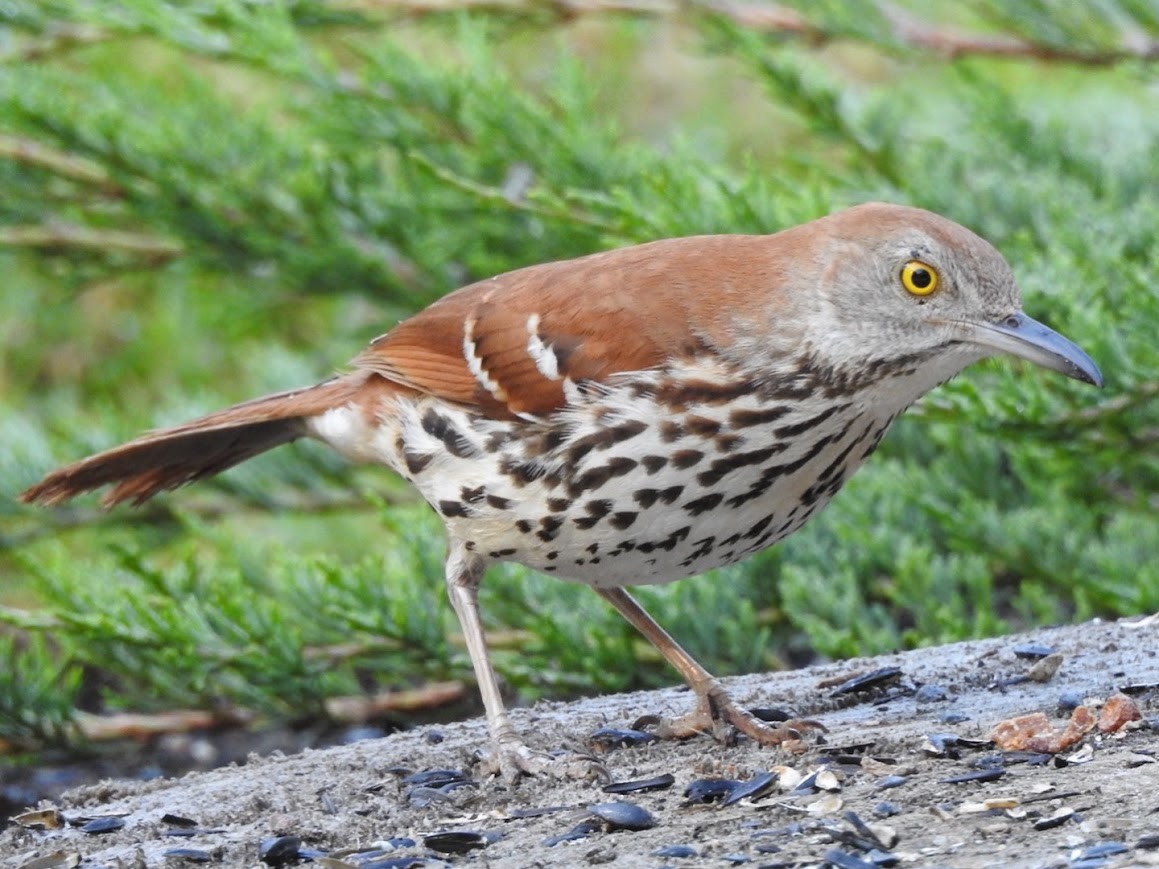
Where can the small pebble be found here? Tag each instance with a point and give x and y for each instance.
(886, 809)
(931, 694)
(1045, 670)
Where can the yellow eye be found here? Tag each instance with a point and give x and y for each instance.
(919, 278)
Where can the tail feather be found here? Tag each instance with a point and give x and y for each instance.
(169, 458)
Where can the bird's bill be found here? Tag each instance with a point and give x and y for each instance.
(1023, 336)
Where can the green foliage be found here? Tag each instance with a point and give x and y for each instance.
(204, 202)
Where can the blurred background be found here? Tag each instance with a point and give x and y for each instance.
(201, 202)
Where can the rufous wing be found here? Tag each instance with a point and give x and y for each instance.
(508, 345)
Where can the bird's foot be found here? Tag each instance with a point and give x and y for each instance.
(718, 715)
(511, 759)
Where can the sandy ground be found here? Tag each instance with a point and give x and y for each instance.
(1096, 803)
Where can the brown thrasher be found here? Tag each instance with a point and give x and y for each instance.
(640, 415)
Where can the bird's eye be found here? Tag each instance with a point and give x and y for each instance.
(918, 278)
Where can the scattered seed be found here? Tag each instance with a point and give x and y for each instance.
(827, 805)
(623, 816)
(891, 781)
(437, 778)
(537, 812)
(772, 714)
(610, 738)
(103, 825)
(1054, 820)
(753, 789)
(882, 858)
(1139, 688)
(279, 850)
(580, 831)
(931, 694)
(708, 790)
(657, 783)
(41, 819)
(188, 855)
(847, 748)
(1148, 841)
(867, 681)
(676, 851)
(55, 860)
(177, 820)
(845, 860)
(1099, 851)
(458, 841)
(190, 832)
(826, 780)
(863, 829)
(981, 775)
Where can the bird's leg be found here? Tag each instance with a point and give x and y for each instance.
(513, 757)
(716, 712)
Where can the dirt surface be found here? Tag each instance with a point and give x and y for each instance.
(352, 798)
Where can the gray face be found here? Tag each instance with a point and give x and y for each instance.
(935, 291)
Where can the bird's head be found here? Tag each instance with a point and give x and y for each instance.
(907, 292)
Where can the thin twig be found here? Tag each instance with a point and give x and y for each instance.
(64, 236)
(33, 153)
(60, 39)
(499, 196)
(773, 18)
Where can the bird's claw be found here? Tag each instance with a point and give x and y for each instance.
(512, 759)
(720, 717)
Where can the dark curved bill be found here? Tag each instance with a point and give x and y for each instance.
(1027, 338)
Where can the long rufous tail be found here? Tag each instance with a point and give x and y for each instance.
(172, 457)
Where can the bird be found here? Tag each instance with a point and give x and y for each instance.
(638, 415)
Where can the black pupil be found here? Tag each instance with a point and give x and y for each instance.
(921, 278)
